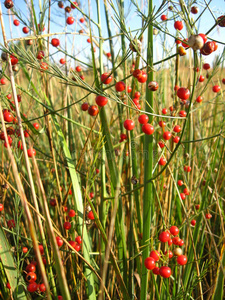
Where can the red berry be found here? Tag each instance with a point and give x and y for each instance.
(182, 114)
(55, 42)
(183, 93)
(156, 271)
(170, 242)
(164, 111)
(101, 100)
(120, 86)
(31, 277)
(8, 285)
(161, 144)
(155, 255)
(216, 88)
(193, 222)
(182, 260)
(84, 106)
(137, 95)
(174, 230)
(206, 66)
(74, 5)
(177, 128)
(149, 263)
(148, 129)
(53, 202)
(59, 241)
(201, 78)
(199, 99)
(78, 239)
(137, 73)
(129, 89)
(92, 195)
(1, 207)
(197, 206)
(182, 195)
(223, 80)
(42, 288)
(170, 253)
(187, 168)
(106, 78)
(186, 191)
(163, 17)
(176, 240)
(165, 272)
(3, 81)
(167, 135)
(30, 268)
(164, 236)
(8, 117)
(82, 20)
(44, 66)
(67, 225)
(208, 216)
(40, 55)
(62, 61)
(162, 161)
(162, 123)
(70, 20)
(153, 86)
(108, 55)
(93, 110)
(178, 25)
(129, 124)
(71, 213)
(25, 30)
(181, 243)
(143, 78)
(32, 287)
(31, 152)
(11, 224)
(90, 215)
(194, 9)
(143, 119)
(36, 126)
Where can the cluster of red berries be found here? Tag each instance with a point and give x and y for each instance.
(31, 276)
(155, 256)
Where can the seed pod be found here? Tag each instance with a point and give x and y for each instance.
(195, 42)
(155, 31)
(153, 86)
(135, 45)
(181, 51)
(15, 68)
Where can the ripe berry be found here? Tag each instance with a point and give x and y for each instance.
(59, 241)
(143, 119)
(193, 222)
(1, 207)
(143, 78)
(55, 42)
(164, 236)
(78, 239)
(199, 99)
(108, 55)
(137, 73)
(25, 30)
(206, 66)
(8, 117)
(120, 86)
(84, 106)
(8, 285)
(186, 191)
(167, 135)
(170, 253)
(194, 10)
(177, 128)
(163, 17)
(197, 206)
(176, 139)
(216, 88)
(106, 78)
(74, 5)
(129, 89)
(36, 126)
(208, 216)
(182, 260)
(155, 255)
(149, 263)
(71, 213)
(90, 215)
(162, 161)
(42, 288)
(174, 230)
(40, 55)
(82, 20)
(8, 4)
(187, 168)
(161, 144)
(67, 225)
(201, 78)
(182, 114)
(181, 243)
(148, 129)
(62, 61)
(101, 100)
(30, 268)
(164, 111)
(162, 123)
(31, 277)
(182, 195)
(165, 272)
(180, 182)
(183, 93)
(32, 287)
(93, 110)
(92, 195)
(153, 86)
(3, 81)
(31, 152)
(178, 25)
(44, 66)
(70, 20)
(129, 124)
(156, 271)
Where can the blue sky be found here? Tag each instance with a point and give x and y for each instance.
(78, 44)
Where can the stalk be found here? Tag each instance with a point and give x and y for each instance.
(148, 205)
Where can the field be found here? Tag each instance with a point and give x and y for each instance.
(112, 150)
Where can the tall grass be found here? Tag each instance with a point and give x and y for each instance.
(82, 162)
